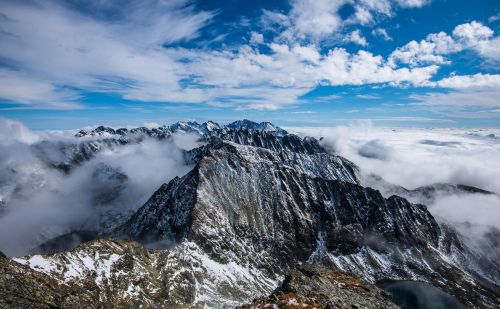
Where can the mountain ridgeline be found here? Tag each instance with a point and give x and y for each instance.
(258, 205)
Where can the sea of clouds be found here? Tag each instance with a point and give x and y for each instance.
(40, 202)
(415, 157)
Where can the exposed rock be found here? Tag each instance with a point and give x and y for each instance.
(65, 155)
(22, 287)
(122, 274)
(262, 127)
(319, 287)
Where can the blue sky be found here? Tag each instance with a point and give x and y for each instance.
(68, 64)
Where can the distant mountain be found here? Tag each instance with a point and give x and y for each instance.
(67, 154)
(206, 128)
(258, 205)
(425, 195)
(262, 127)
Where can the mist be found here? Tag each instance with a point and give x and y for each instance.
(39, 202)
(415, 157)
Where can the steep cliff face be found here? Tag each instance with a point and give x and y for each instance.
(230, 174)
(244, 204)
(258, 203)
(277, 203)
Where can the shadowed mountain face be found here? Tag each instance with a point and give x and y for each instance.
(278, 212)
(258, 203)
(248, 194)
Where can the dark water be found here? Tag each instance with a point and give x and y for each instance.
(419, 295)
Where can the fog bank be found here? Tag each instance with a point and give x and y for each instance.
(40, 202)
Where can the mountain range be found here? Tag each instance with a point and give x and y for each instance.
(262, 216)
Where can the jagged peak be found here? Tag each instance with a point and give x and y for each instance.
(252, 125)
(205, 128)
(98, 131)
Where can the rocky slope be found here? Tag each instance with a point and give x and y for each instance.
(319, 287)
(259, 203)
(277, 215)
(121, 274)
(23, 287)
(111, 274)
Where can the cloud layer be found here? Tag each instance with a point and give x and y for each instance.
(39, 202)
(56, 52)
(418, 157)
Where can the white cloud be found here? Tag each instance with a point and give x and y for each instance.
(436, 46)
(430, 50)
(313, 18)
(380, 32)
(362, 15)
(51, 43)
(458, 99)
(364, 11)
(126, 56)
(476, 36)
(472, 33)
(307, 53)
(478, 80)
(413, 3)
(368, 96)
(316, 20)
(42, 202)
(365, 68)
(489, 49)
(471, 159)
(356, 37)
(367, 11)
(15, 132)
(256, 38)
(473, 208)
(474, 98)
(29, 90)
(378, 6)
(494, 18)
(280, 77)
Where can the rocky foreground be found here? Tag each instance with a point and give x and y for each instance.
(319, 287)
(305, 287)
